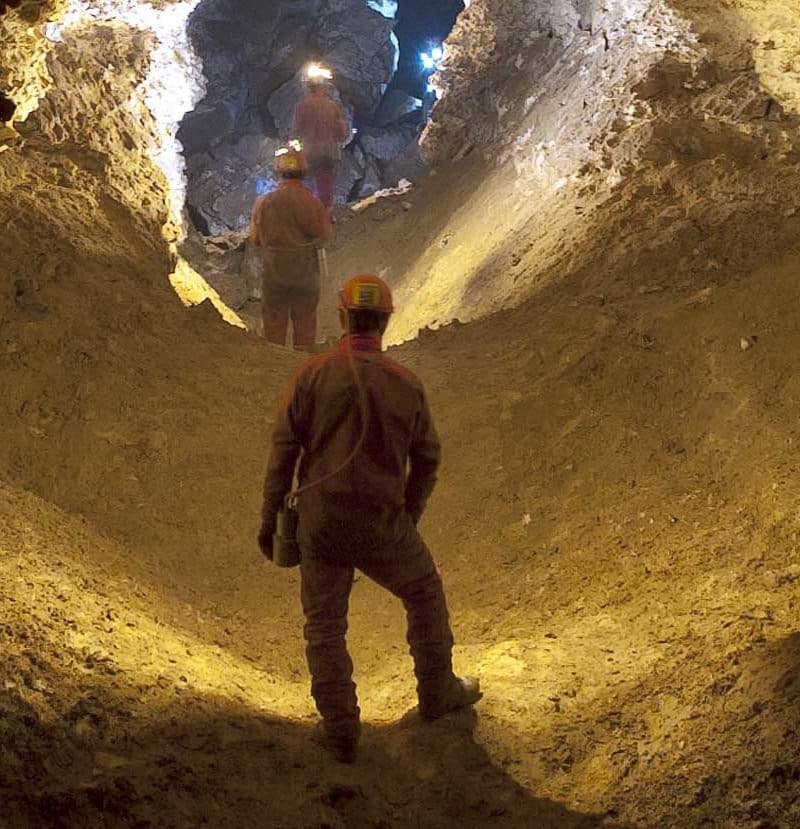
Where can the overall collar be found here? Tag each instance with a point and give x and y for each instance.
(360, 342)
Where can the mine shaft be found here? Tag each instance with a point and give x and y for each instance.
(399, 414)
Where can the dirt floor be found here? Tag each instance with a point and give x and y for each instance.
(616, 525)
(617, 517)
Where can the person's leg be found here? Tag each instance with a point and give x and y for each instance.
(325, 591)
(325, 177)
(414, 579)
(275, 315)
(304, 319)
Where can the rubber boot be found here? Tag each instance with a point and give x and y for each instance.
(343, 749)
(463, 692)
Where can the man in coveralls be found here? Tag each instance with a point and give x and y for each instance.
(321, 127)
(290, 225)
(361, 511)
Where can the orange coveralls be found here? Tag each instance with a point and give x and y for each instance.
(363, 517)
(320, 125)
(288, 224)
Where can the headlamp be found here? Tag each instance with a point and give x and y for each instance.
(318, 72)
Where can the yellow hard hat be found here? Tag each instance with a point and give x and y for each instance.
(366, 292)
(290, 160)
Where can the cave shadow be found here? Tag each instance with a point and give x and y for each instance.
(214, 763)
(770, 680)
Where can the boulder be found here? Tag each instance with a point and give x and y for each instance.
(359, 44)
(222, 189)
(385, 145)
(351, 171)
(205, 126)
(371, 182)
(396, 106)
(409, 165)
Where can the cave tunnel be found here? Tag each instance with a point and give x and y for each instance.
(253, 57)
(594, 272)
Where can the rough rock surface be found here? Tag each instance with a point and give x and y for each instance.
(659, 106)
(616, 520)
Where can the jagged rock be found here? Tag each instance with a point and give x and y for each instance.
(385, 145)
(408, 164)
(351, 171)
(371, 182)
(205, 126)
(395, 106)
(223, 190)
(359, 44)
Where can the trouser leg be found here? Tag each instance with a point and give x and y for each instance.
(325, 177)
(325, 592)
(304, 320)
(275, 316)
(415, 580)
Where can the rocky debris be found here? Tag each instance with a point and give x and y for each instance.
(404, 186)
(230, 264)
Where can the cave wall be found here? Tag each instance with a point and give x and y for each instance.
(610, 135)
(628, 136)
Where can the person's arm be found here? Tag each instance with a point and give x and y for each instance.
(298, 121)
(316, 219)
(284, 452)
(341, 124)
(255, 223)
(424, 458)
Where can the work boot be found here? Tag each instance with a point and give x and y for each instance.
(343, 749)
(463, 692)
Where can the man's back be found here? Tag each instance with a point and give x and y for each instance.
(372, 501)
(291, 217)
(358, 420)
(319, 123)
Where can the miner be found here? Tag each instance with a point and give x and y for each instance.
(368, 453)
(290, 225)
(320, 126)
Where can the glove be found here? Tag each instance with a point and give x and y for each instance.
(265, 540)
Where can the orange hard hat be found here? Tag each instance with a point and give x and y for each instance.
(366, 292)
(290, 160)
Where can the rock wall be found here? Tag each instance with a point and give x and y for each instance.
(608, 136)
(606, 132)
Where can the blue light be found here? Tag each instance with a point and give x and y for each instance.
(427, 60)
(265, 185)
(437, 54)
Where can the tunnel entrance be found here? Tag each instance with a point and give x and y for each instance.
(421, 28)
(253, 56)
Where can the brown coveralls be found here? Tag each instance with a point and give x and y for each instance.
(320, 125)
(288, 224)
(364, 517)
